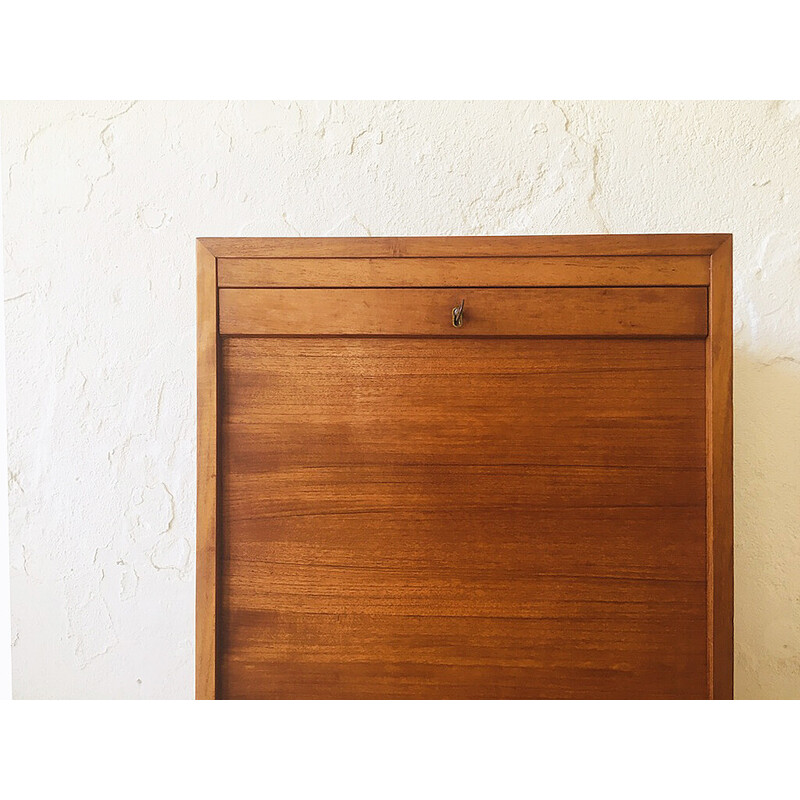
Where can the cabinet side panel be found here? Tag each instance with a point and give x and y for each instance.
(719, 473)
(206, 581)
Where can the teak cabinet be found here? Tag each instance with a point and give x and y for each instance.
(465, 467)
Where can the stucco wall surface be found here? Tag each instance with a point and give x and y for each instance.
(102, 203)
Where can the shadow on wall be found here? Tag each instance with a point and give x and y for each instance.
(767, 526)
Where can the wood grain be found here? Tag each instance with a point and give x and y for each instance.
(639, 311)
(387, 536)
(466, 246)
(476, 271)
(206, 580)
(719, 421)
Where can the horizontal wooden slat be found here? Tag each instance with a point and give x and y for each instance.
(663, 543)
(510, 490)
(587, 650)
(590, 408)
(465, 592)
(605, 639)
(449, 246)
(653, 311)
(481, 271)
(282, 359)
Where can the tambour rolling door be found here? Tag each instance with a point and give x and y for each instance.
(464, 468)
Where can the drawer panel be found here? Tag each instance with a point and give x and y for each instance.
(678, 311)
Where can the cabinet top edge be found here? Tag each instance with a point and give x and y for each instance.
(653, 244)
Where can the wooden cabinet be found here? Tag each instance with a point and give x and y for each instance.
(465, 467)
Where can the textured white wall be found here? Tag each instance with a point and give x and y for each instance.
(102, 203)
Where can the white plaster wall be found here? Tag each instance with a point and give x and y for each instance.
(102, 203)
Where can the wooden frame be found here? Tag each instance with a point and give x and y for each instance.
(703, 260)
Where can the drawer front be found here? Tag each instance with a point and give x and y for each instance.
(678, 311)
